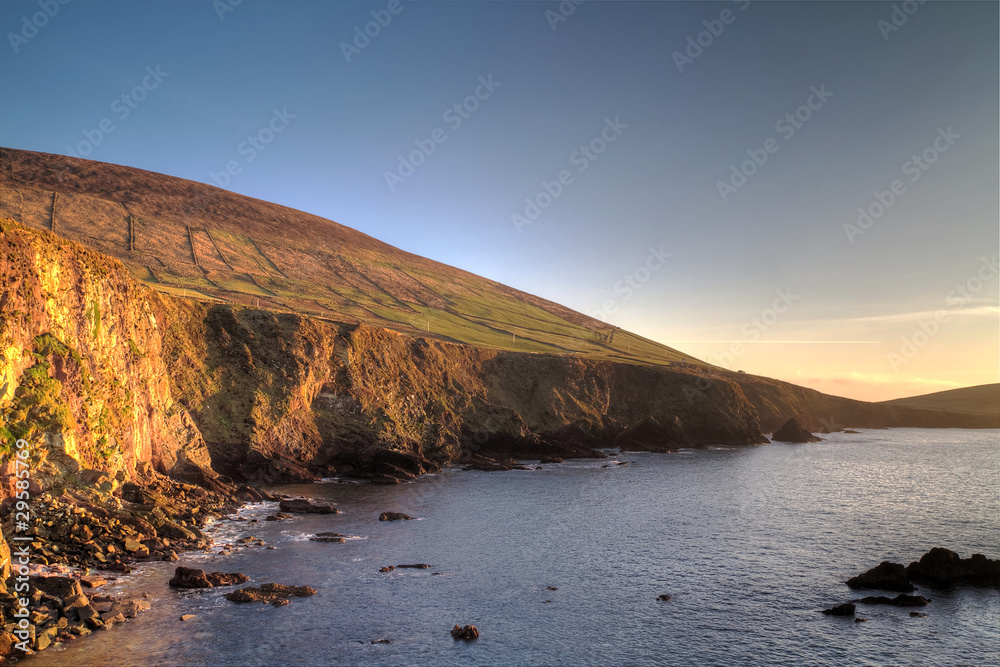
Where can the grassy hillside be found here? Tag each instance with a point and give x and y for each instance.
(983, 399)
(193, 240)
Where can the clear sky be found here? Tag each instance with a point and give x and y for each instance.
(739, 138)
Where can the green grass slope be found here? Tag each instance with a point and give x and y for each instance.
(194, 240)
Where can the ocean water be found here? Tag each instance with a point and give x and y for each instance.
(751, 543)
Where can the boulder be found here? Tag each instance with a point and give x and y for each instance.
(189, 577)
(793, 431)
(885, 576)
(305, 506)
(550, 459)
(394, 516)
(846, 609)
(61, 587)
(941, 568)
(468, 632)
(663, 598)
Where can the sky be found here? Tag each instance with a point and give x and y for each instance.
(803, 190)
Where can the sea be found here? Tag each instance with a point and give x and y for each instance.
(564, 564)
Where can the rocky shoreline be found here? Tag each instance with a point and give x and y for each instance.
(87, 530)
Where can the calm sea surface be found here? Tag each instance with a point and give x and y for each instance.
(750, 542)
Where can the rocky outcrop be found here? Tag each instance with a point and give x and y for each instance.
(188, 577)
(275, 594)
(885, 576)
(468, 632)
(306, 506)
(941, 568)
(938, 568)
(792, 431)
(394, 516)
(846, 609)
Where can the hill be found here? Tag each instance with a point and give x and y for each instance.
(194, 240)
(982, 399)
(148, 319)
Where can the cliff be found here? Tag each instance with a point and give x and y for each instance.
(776, 401)
(105, 373)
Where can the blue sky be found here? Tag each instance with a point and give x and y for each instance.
(887, 95)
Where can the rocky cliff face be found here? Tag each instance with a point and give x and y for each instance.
(82, 374)
(105, 374)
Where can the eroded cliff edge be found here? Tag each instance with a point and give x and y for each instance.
(105, 374)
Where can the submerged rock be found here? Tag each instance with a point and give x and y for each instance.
(394, 516)
(885, 576)
(663, 598)
(468, 632)
(793, 431)
(417, 566)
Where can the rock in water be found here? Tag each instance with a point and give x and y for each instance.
(901, 600)
(189, 577)
(846, 609)
(275, 594)
(468, 633)
(394, 516)
(663, 598)
(792, 431)
(885, 576)
(941, 568)
(304, 506)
